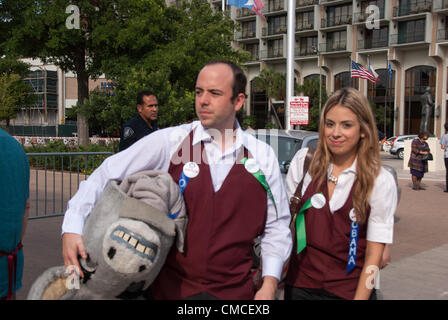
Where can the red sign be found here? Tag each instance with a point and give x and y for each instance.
(299, 110)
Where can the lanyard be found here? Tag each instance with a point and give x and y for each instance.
(190, 170)
(262, 179)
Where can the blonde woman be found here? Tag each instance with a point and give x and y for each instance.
(347, 206)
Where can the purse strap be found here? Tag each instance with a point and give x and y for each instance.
(297, 197)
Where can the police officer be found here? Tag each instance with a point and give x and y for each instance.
(142, 124)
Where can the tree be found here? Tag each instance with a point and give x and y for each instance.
(274, 83)
(310, 88)
(14, 93)
(103, 30)
(197, 35)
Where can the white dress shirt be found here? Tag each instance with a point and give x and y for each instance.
(383, 199)
(155, 151)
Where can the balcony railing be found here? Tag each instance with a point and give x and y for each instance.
(412, 8)
(407, 37)
(305, 51)
(442, 34)
(362, 16)
(332, 46)
(273, 30)
(373, 43)
(245, 34)
(304, 3)
(274, 6)
(302, 25)
(336, 21)
(272, 53)
(244, 12)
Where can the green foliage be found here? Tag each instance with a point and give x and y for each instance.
(14, 93)
(195, 35)
(85, 164)
(380, 117)
(270, 125)
(249, 121)
(310, 88)
(274, 84)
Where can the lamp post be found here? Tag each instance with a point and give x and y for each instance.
(316, 51)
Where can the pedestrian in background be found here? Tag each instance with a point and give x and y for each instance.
(418, 166)
(444, 146)
(142, 124)
(347, 203)
(14, 206)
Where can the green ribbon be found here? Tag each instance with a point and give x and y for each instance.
(300, 226)
(262, 179)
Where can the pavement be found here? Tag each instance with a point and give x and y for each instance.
(418, 269)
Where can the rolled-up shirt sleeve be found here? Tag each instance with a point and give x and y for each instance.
(117, 167)
(383, 204)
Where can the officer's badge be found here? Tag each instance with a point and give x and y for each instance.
(128, 132)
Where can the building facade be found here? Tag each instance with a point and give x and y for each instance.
(56, 92)
(411, 34)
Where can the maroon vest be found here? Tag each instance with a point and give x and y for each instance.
(221, 228)
(322, 264)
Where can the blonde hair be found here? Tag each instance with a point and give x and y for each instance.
(368, 163)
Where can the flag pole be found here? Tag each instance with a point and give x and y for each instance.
(223, 5)
(290, 59)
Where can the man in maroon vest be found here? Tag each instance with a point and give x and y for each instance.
(220, 170)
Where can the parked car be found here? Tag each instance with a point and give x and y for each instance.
(286, 143)
(397, 147)
(388, 143)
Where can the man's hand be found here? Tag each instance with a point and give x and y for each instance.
(267, 290)
(72, 244)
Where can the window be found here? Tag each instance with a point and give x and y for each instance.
(411, 31)
(45, 85)
(275, 48)
(307, 45)
(339, 15)
(304, 20)
(276, 25)
(336, 40)
(344, 79)
(376, 38)
(253, 49)
(248, 29)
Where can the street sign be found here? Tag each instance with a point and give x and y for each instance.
(299, 110)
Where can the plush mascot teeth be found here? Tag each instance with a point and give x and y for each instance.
(127, 237)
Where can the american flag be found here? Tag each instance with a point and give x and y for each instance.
(358, 71)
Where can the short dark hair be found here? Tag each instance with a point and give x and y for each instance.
(423, 134)
(446, 126)
(239, 78)
(143, 93)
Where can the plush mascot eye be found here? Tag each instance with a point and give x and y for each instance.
(111, 253)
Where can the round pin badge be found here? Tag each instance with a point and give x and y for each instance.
(252, 166)
(318, 201)
(352, 215)
(191, 169)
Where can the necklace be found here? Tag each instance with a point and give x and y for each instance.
(333, 179)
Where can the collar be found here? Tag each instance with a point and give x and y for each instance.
(351, 169)
(202, 134)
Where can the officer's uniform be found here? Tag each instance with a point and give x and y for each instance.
(134, 130)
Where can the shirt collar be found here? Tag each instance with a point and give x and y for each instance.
(201, 134)
(351, 169)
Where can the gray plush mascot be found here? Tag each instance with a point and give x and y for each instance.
(127, 237)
